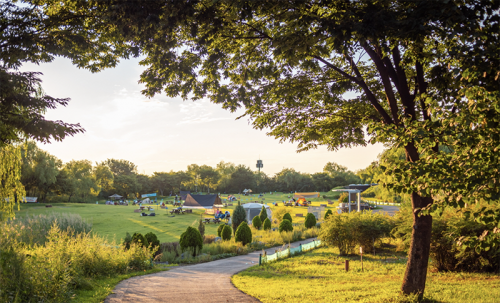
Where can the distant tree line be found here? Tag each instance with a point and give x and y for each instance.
(48, 178)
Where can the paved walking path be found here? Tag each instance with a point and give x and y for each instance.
(205, 282)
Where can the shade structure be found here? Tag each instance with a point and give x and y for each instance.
(115, 196)
(253, 209)
(184, 194)
(202, 201)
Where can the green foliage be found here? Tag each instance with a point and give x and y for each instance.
(11, 189)
(69, 261)
(347, 230)
(219, 230)
(288, 217)
(310, 221)
(153, 241)
(201, 228)
(243, 234)
(267, 224)
(226, 233)
(285, 226)
(192, 239)
(263, 214)
(328, 213)
(256, 222)
(239, 216)
(343, 198)
(139, 239)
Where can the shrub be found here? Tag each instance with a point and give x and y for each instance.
(263, 214)
(201, 228)
(207, 239)
(239, 216)
(139, 239)
(191, 239)
(288, 217)
(256, 222)
(243, 234)
(343, 197)
(285, 225)
(219, 230)
(152, 240)
(267, 224)
(347, 230)
(310, 220)
(226, 233)
(127, 241)
(328, 213)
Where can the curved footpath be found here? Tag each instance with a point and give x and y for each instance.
(205, 283)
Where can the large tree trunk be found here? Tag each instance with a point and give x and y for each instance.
(418, 257)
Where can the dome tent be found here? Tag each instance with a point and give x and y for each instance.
(253, 210)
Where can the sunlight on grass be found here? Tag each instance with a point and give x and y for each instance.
(319, 276)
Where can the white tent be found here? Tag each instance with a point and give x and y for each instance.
(253, 209)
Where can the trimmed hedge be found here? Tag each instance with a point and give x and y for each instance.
(285, 225)
(219, 230)
(328, 213)
(244, 234)
(267, 224)
(310, 221)
(263, 214)
(256, 222)
(191, 238)
(288, 217)
(226, 232)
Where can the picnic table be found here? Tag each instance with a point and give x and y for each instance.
(215, 220)
(177, 211)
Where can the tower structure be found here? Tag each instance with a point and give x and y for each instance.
(259, 165)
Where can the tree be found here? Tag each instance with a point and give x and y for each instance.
(201, 228)
(225, 169)
(267, 224)
(226, 233)
(11, 188)
(191, 238)
(243, 234)
(310, 220)
(420, 74)
(322, 181)
(239, 216)
(256, 222)
(162, 181)
(263, 214)
(80, 179)
(121, 167)
(219, 230)
(242, 178)
(285, 225)
(328, 213)
(104, 179)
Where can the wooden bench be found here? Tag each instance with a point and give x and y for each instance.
(299, 215)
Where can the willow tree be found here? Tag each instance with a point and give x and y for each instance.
(411, 74)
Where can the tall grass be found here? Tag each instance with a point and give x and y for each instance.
(52, 271)
(34, 229)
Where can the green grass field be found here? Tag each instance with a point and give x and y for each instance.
(113, 221)
(319, 276)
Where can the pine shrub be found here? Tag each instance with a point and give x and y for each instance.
(201, 228)
(153, 241)
(256, 222)
(226, 232)
(328, 213)
(288, 217)
(267, 224)
(285, 225)
(191, 239)
(239, 216)
(310, 220)
(244, 234)
(263, 214)
(139, 239)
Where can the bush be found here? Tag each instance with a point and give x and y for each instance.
(219, 230)
(310, 220)
(256, 222)
(226, 233)
(288, 217)
(152, 240)
(263, 214)
(243, 234)
(267, 224)
(138, 238)
(328, 213)
(344, 197)
(347, 230)
(191, 239)
(201, 228)
(285, 225)
(239, 216)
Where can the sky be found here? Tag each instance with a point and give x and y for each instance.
(163, 134)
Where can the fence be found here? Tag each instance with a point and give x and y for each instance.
(288, 252)
(381, 203)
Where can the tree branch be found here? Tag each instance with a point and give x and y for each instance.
(422, 88)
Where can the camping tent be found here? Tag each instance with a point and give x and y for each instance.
(202, 201)
(115, 196)
(306, 195)
(253, 209)
(184, 194)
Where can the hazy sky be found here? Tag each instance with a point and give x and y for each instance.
(163, 134)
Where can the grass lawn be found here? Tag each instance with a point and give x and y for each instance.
(319, 276)
(113, 221)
